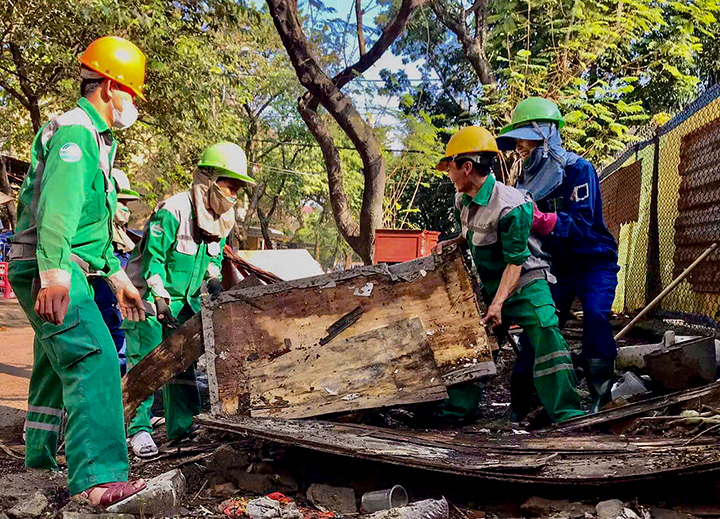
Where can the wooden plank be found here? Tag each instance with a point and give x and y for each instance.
(709, 392)
(546, 460)
(296, 315)
(174, 355)
(392, 365)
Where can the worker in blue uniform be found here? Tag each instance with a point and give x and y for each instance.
(568, 217)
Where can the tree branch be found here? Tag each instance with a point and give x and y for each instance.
(360, 35)
(473, 48)
(346, 224)
(390, 33)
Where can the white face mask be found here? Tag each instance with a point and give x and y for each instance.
(127, 117)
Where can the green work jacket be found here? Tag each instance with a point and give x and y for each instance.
(68, 199)
(175, 256)
(496, 224)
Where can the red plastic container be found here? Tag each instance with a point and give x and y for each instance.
(3, 268)
(6, 292)
(397, 245)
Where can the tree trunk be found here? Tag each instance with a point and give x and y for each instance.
(327, 92)
(35, 115)
(244, 227)
(5, 188)
(265, 229)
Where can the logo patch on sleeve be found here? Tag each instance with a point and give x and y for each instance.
(580, 193)
(156, 230)
(70, 152)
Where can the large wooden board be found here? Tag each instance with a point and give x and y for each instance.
(558, 459)
(244, 328)
(392, 365)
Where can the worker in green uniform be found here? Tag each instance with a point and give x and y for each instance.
(495, 222)
(182, 246)
(64, 234)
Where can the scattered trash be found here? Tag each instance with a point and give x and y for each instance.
(384, 499)
(428, 509)
(351, 396)
(276, 507)
(365, 291)
(629, 384)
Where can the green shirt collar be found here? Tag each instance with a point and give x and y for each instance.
(89, 109)
(483, 196)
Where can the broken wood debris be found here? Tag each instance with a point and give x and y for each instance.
(341, 324)
(392, 365)
(709, 392)
(591, 459)
(247, 327)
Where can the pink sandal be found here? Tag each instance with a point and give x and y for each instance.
(116, 492)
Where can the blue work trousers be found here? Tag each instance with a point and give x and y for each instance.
(107, 304)
(595, 287)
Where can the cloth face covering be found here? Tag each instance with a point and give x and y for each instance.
(544, 169)
(214, 224)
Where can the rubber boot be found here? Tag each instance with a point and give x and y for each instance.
(600, 378)
(522, 389)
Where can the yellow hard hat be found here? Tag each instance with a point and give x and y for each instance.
(117, 59)
(470, 140)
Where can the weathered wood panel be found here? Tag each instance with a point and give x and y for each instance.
(705, 394)
(174, 355)
(596, 460)
(392, 365)
(252, 325)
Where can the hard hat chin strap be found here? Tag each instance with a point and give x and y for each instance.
(546, 148)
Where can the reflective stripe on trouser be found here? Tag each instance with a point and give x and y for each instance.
(181, 397)
(75, 366)
(532, 308)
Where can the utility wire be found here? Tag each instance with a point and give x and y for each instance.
(310, 145)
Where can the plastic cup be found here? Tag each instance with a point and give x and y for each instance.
(384, 499)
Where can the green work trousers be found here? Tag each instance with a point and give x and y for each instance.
(74, 367)
(180, 397)
(533, 309)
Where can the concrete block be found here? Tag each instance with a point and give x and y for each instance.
(610, 509)
(337, 499)
(162, 493)
(28, 508)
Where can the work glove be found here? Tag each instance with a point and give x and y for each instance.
(164, 314)
(543, 223)
(214, 286)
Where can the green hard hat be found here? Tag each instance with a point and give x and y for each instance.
(534, 109)
(229, 158)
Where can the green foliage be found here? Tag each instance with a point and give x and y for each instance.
(611, 65)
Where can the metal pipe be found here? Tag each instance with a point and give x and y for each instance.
(665, 292)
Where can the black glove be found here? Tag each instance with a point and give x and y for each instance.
(214, 286)
(164, 314)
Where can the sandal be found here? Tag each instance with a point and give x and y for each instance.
(143, 445)
(115, 492)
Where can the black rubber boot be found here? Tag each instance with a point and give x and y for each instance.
(600, 378)
(522, 390)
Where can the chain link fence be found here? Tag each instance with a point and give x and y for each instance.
(661, 201)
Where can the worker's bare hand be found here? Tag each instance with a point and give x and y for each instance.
(131, 304)
(493, 316)
(52, 304)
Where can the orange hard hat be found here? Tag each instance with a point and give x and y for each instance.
(117, 59)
